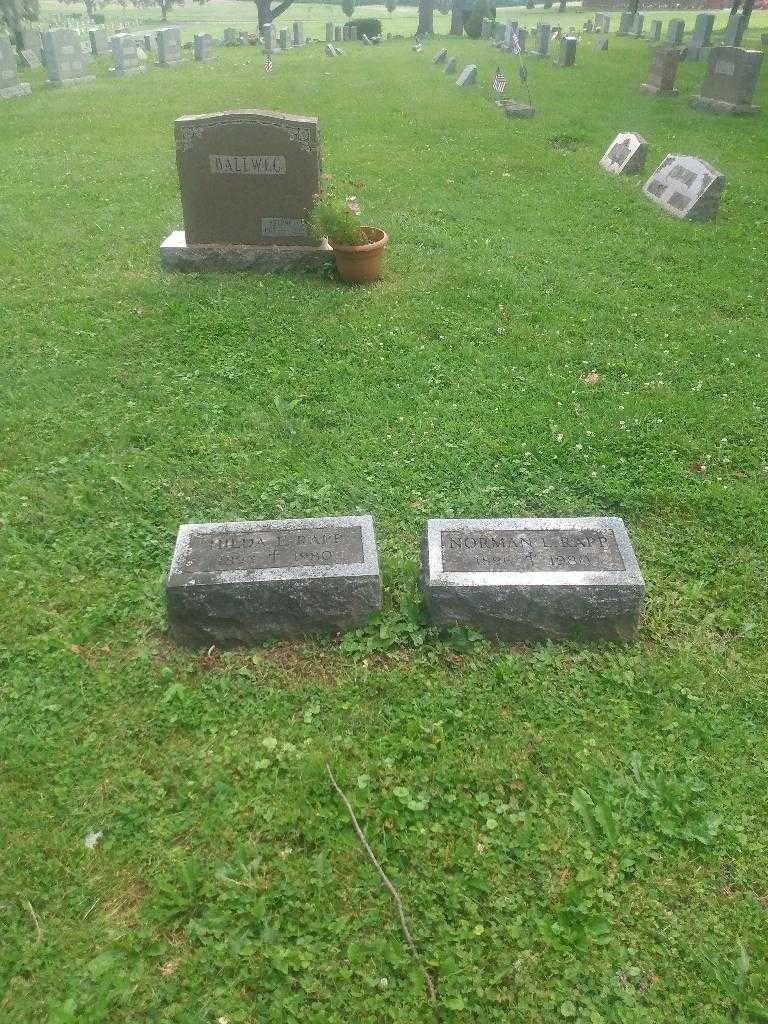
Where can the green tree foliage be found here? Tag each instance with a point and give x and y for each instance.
(13, 12)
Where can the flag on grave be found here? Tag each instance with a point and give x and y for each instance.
(499, 83)
(268, 63)
(515, 42)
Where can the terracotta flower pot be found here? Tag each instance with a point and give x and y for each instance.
(361, 263)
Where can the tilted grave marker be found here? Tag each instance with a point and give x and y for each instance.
(660, 78)
(626, 154)
(468, 76)
(440, 56)
(686, 187)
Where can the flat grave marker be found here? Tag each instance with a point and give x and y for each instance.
(626, 154)
(686, 187)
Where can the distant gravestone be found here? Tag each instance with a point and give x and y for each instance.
(168, 47)
(28, 38)
(99, 42)
(125, 56)
(499, 32)
(675, 32)
(468, 76)
(730, 81)
(203, 46)
(30, 59)
(353, 33)
(450, 67)
(522, 39)
(246, 582)
(150, 43)
(735, 29)
(532, 579)
(486, 28)
(686, 187)
(626, 154)
(298, 33)
(231, 37)
(337, 33)
(567, 56)
(606, 24)
(698, 48)
(10, 86)
(345, 33)
(64, 58)
(440, 56)
(636, 31)
(660, 79)
(247, 180)
(329, 31)
(515, 110)
(268, 34)
(654, 33)
(541, 42)
(282, 38)
(625, 23)
(601, 44)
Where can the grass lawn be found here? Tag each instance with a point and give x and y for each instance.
(578, 833)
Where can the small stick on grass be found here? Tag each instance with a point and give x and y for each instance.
(30, 910)
(390, 889)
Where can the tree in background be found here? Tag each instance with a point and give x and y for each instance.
(391, 6)
(348, 6)
(267, 13)
(457, 18)
(426, 18)
(91, 6)
(474, 12)
(13, 12)
(164, 5)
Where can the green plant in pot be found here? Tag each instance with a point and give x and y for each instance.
(357, 248)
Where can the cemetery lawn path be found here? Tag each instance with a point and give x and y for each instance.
(578, 833)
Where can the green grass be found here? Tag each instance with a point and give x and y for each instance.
(578, 833)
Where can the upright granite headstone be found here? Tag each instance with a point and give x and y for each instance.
(499, 32)
(541, 42)
(606, 24)
(735, 29)
(329, 31)
(698, 48)
(660, 79)
(345, 33)
(232, 583)
(567, 55)
(298, 33)
(626, 154)
(231, 37)
(10, 86)
(125, 56)
(168, 47)
(440, 56)
(268, 34)
(532, 579)
(29, 38)
(601, 44)
(353, 33)
(247, 180)
(337, 33)
(636, 31)
(282, 38)
(64, 58)
(654, 33)
(150, 42)
(675, 32)
(686, 187)
(625, 23)
(203, 45)
(99, 42)
(730, 81)
(468, 76)
(522, 39)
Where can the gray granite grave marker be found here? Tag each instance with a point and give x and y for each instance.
(515, 110)
(626, 154)
(468, 76)
(203, 46)
(337, 33)
(168, 42)
(486, 28)
(440, 56)
(541, 42)
(282, 38)
(601, 44)
(625, 23)
(735, 29)
(247, 179)
(730, 81)
(675, 32)
(124, 56)
(698, 48)
(636, 31)
(231, 37)
(298, 33)
(28, 38)
(450, 67)
(99, 42)
(268, 33)
(660, 78)
(64, 58)
(353, 33)
(654, 33)
(686, 187)
(329, 31)
(10, 86)
(532, 579)
(567, 56)
(232, 583)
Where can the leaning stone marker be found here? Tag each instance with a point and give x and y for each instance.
(626, 154)
(450, 67)
(686, 187)
(532, 579)
(440, 56)
(125, 56)
(64, 58)
(626, 21)
(247, 179)
(735, 29)
(232, 583)
(730, 81)
(660, 79)
(468, 76)
(10, 86)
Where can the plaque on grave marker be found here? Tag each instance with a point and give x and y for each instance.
(730, 81)
(10, 86)
(125, 55)
(532, 579)
(247, 181)
(686, 187)
(64, 58)
(168, 42)
(660, 78)
(243, 582)
(626, 154)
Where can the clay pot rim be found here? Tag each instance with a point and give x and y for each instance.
(377, 243)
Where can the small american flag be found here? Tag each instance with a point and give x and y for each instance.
(268, 63)
(499, 83)
(556, 34)
(515, 42)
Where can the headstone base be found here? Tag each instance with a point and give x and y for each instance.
(697, 52)
(655, 90)
(175, 254)
(721, 107)
(66, 82)
(169, 64)
(536, 55)
(14, 91)
(119, 72)
(514, 109)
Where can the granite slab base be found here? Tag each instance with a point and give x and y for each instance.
(654, 90)
(514, 109)
(721, 107)
(14, 91)
(64, 83)
(120, 72)
(176, 254)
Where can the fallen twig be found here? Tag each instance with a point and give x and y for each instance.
(30, 910)
(431, 992)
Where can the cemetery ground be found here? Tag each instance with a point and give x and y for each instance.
(577, 832)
